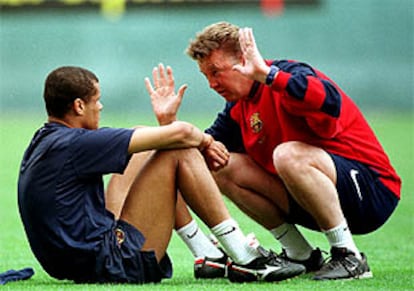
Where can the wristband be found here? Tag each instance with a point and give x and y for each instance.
(271, 76)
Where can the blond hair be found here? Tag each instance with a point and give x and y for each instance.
(220, 35)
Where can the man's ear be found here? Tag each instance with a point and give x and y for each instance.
(78, 106)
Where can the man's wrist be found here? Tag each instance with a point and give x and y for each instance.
(165, 120)
(271, 75)
(206, 142)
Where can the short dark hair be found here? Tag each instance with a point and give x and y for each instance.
(65, 84)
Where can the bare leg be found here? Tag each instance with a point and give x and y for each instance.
(202, 194)
(199, 189)
(151, 202)
(310, 175)
(308, 172)
(119, 185)
(183, 216)
(260, 195)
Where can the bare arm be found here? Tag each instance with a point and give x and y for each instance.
(178, 134)
(165, 104)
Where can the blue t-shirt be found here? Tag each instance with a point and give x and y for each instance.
(61, 193)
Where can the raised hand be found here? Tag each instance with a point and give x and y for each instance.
(165, 102)
(253, 67)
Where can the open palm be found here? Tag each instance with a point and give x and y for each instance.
(165, 102)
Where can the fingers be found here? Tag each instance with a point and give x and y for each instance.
(164, 84)
(243, 38)
(246, 38)
(223, 157)
(247, 46)
(170, 80)
(218, 154)
(181, 91)
(158, 76)
(161, 76)
(216, 164)
(156, 79)
(250, 37)
(148, 86)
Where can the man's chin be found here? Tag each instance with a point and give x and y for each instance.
(231, 99)
(227, 97)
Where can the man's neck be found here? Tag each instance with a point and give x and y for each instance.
(62, 121)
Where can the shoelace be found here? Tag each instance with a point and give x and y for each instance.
(274, 257)
(337, 260)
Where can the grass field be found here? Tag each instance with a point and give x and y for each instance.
(390, 250)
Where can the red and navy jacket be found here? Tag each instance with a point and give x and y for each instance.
(303, 105)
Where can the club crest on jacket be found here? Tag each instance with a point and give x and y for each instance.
(255, 123)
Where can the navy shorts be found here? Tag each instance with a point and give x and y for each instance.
(365, 201)
(120, 259)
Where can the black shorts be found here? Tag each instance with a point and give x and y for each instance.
(120, 259)
(365, 201)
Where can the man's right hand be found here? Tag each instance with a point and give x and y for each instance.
(216, 155)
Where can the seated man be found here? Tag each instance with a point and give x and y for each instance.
(61, 191)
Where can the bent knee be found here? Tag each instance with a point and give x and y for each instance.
(290, 156)
(223, 179)
(232, 174)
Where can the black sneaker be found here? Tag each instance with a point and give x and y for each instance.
(208, 268)
(314, 263)
(269, 267)
(344, 265)
(212, 268)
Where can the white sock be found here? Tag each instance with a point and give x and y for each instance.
(340, 236)
(292, 241)
(198, 243)
(235, 242)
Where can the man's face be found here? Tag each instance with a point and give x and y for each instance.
(218, 69)
(92, 110)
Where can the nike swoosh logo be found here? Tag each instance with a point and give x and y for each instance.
(228, 231)
(354, 174)
(190, 236)
(260, 273)
(269, 270)
(273, 268)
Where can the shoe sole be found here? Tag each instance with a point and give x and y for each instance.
(241, 275)
(209, 270)
(366, 275)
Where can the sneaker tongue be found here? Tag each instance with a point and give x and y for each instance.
(263, 252)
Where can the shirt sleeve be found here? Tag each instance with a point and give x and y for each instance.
(226, 130)
(101, 151)
(308, 93)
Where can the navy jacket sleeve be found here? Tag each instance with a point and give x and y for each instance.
(226, 130)
(309, 93)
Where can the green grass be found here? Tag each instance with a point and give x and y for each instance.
(390, 249)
